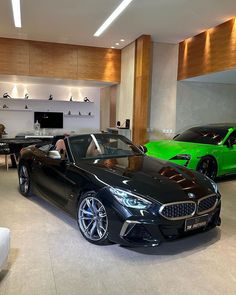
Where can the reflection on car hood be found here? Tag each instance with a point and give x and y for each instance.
(161, 180)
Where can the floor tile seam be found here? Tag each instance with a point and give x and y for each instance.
(51, 261)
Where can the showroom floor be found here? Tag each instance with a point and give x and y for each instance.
(49, 256)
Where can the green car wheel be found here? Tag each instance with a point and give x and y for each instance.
(208, 166)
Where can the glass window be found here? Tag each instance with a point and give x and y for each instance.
(101, 146)
(232, 138)
(203, 135)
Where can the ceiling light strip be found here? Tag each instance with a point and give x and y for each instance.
(16, 13)
(112, 17)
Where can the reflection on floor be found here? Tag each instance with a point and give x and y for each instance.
(49, 256)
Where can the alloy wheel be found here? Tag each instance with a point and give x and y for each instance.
(208, 167)
(24, 179)
(92, 219)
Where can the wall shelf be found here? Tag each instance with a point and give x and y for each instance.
(43, 99)
(16, 110)
(78, 116)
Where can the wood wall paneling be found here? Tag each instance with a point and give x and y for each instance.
(14, 57)
(100, 64)
(53, 60)
(141, 88)
(211, 51)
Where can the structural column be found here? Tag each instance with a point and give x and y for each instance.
(142, 88)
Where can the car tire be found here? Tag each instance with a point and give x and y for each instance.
(208, 166)
(92, 219)
(24, 180)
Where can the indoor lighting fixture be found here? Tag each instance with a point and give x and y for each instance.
(16, 13)
(112, 17)
(117, 44)
(112, 47)
(122, 40)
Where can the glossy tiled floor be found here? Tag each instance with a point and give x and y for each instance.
(49, 256)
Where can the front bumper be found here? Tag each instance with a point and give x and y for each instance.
(151, 231)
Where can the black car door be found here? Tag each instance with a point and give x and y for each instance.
(55, 180)
(50, 178)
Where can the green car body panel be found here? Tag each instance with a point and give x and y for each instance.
(224, 154)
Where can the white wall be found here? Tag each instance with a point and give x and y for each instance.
(105, 99)
(203, 103)
(21, 121)
(125, 91)
(163, 91)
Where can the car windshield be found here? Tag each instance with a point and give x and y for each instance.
(203, 135)
(101, 146)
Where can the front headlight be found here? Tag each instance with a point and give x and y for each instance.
(214, 185)
(181, 157)
(130, 200)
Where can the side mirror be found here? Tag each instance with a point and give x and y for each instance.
(55, 155)
(143, 148)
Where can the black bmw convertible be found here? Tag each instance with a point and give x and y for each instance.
(116, 192)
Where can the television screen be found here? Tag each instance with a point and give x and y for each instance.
(49, 119)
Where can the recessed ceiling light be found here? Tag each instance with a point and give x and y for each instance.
(112, 17)
(117, 43)
(122, 40)
(16, 13)
(112, 47)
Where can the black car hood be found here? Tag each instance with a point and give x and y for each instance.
(153, 178)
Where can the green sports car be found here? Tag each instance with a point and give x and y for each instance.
(209, 149)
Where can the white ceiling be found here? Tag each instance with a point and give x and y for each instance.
(75, 21)
(225, 77)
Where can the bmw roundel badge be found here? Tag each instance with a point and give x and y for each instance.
(191, 196)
